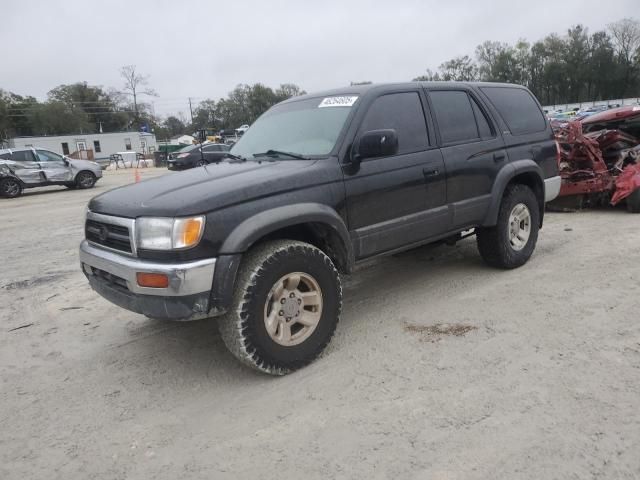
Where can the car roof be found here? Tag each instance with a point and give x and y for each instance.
(383, 87)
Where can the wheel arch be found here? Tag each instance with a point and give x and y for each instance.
(313, 223)
(523, 172)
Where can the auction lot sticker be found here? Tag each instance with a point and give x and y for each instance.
(338, 101)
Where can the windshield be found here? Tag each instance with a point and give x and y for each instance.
(306, 127)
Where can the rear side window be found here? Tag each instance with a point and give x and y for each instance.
(456, 120)
(403, 113)
(483, 124)
(22, 156)
(518, 109)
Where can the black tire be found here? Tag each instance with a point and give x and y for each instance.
(494, 243)
(201, 163)
(243, 328)
(10, 188)
(85, 179)
(633, 201)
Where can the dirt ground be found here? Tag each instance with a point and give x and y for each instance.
(441, 368)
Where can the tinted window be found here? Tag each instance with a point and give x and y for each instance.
(211, 148)
(456, 120)
(518, 109)
(96, 146)
(22, 156)
(483, 124)
(402, 112)
(65, 148)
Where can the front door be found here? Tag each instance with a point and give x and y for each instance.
(54, 166)
(397, 200)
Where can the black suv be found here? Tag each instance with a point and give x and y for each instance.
(317, 184)
(197, 156)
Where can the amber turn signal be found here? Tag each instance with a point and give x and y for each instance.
(152, 280)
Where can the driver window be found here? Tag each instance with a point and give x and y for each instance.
(402, 112)
(45, 156)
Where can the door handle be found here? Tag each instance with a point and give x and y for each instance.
(498, 156)
(430, 172)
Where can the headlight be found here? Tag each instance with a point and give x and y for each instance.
(168, 233)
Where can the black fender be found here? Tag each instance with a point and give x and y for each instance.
(248, 232)
(257, 226)
(505, 175)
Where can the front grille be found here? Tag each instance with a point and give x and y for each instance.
(108, 235)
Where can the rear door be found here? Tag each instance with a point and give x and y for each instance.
(54, 166)
(26, 168)
(397, 200)
(473, 152)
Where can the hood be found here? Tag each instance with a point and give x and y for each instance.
(88, 164)
(206, 189)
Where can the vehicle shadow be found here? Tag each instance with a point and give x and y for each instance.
(199, 345)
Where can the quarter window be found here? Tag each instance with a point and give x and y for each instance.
(454, 113)
(403, 113)
(518, 108)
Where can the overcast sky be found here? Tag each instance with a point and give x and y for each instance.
(202, 49)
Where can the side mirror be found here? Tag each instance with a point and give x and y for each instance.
(377, 143)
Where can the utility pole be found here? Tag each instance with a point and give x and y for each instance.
(191, 110)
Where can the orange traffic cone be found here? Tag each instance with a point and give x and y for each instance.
(136, 176)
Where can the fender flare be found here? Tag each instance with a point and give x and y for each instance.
(505, 175)
(257, 226)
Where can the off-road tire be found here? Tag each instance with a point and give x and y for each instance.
(10, 188)
(90, 180)
(243, 328)
(633, 201)
(493, 242)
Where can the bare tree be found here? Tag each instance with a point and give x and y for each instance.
(626, 38)
(135, 84)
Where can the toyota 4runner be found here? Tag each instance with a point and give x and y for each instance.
(318, 183)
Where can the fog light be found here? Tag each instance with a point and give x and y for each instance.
(152, 280)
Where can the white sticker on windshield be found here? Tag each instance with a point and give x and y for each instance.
(338, 101)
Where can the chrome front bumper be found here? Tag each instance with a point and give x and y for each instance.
(551, 188)
(114, 277)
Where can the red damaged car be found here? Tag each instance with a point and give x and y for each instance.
(599, 159)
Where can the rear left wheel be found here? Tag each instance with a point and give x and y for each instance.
(10, 188)
(286, 307)
(510, 243)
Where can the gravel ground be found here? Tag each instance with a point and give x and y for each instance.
(441, 368)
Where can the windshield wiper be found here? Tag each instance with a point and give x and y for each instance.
(234, 156)
(276, 153)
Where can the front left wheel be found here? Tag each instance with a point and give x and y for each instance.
(286, 307)
(85, 179)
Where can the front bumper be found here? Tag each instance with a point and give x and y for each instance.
(114, 277)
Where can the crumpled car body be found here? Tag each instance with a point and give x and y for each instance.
(600, 155)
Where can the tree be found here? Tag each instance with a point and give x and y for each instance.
(101, 107)
(429, 76)
(460, 69)
(135, 85)
(626, 38)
